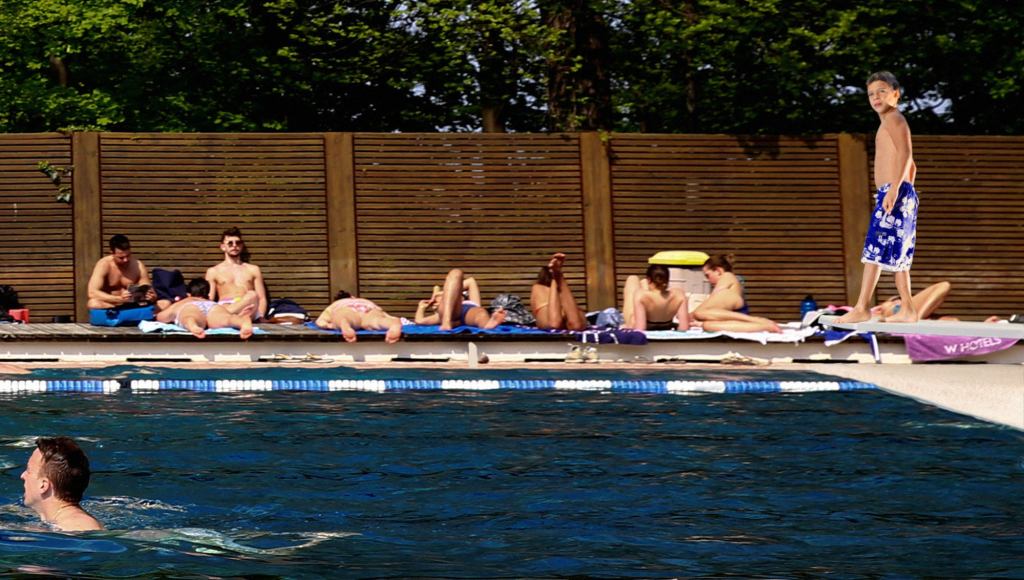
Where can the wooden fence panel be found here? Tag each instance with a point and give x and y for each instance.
(173, 195)
(970, 223)
(495, 206)
(772, 201)
(36, 243)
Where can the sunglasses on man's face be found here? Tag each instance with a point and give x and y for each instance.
(233, 243)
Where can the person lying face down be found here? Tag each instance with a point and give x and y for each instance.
(450, 309)
(197, 312)
(649, 304)
(349, 314)
(55, 478)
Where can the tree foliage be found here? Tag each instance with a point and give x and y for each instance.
(742, 66)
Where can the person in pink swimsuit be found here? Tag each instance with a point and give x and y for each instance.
(348, 314)
(196, 313)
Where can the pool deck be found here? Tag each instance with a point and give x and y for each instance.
(992, 392)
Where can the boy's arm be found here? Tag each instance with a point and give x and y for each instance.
(899, 131)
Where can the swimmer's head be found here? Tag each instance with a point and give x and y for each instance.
(717, 265)
(883, 91)
(62, 463)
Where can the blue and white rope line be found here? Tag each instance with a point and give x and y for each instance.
(400, 385)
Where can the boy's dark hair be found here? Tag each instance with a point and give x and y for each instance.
(342, 294)
(723, 261)
(231, 232)
(886, 77)
(120, 242)
(657, 274)
(198, 288)
(66, 466)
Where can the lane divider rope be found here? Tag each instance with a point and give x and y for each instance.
(409, 385)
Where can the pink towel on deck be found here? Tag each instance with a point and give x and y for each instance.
(924, 347)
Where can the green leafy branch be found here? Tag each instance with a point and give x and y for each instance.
(57, 174)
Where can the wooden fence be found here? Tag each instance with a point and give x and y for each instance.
(386, 215)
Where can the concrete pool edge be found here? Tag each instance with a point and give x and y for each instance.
(990, 392)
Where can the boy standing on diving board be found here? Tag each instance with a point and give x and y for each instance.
(893, 230)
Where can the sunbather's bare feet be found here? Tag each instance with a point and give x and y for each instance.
(245, 326)
(555, 265)
(497, 318)
(394, 332)
(992, 319)
(905, 315)
(444, 326)
(348, 333)
(193, 327)
(855, 315)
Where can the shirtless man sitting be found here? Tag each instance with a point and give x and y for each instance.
(196, 313)
(113, 274)
(235, 283)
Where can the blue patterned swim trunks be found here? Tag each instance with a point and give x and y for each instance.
(891, 238)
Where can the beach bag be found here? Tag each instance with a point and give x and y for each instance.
(169, 284)
(285, 311)
(8, 298)
(517, 312)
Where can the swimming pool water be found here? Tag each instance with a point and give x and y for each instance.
(522, 484)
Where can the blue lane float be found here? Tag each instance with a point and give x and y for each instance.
(646, 386)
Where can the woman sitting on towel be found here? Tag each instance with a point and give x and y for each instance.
(349, 314)
(726, 308)
(551, 300)
(649, 304)
(451, 310)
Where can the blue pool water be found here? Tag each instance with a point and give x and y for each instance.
(521, 484)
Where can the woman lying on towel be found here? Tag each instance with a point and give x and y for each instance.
(649, 304)
(726, 308)
(926, 302)
(450, 309)
(197, 312)
(349, 314)
(552, 301)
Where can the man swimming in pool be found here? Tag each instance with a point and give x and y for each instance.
(451, 309)
(196, 313)
(55, 478)
(235, 283)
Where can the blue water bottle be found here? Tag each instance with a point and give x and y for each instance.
(808, 305)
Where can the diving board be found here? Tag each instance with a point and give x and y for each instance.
(930, 328)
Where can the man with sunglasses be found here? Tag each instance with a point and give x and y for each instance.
(235, 283)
